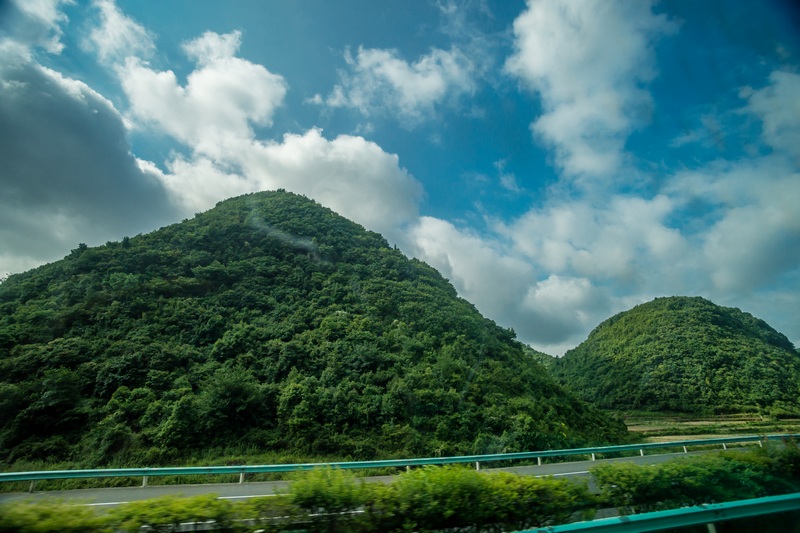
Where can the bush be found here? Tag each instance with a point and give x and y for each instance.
(444, 498)
(30, 517)
(327, 496)
(691, 481)
(450, 498)
(521, 502)
(168, 512)
(269, 514)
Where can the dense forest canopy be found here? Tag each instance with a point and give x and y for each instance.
(267, 323)
(685, 354)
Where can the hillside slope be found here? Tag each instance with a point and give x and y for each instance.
(266, 324)
(684, 354)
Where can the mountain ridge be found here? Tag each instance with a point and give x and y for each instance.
(273, 323)
(684, 354)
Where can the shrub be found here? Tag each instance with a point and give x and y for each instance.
(454, 497)
(691, 481)
(168, 512)
(57, 516)
(327, 495)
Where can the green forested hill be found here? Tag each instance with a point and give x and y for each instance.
(266, 324)
(684, 354)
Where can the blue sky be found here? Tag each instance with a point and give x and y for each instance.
(558, 161)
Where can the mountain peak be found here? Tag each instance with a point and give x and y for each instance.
(268, 323)
(683, 354)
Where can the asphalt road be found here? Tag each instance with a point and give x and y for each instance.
(239, 491)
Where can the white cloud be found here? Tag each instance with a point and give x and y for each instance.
(212, 47)
(778, 107)
(588, 61)
(562, 309)
(379, 82)
(616, 240)
(217, 105)
(479, 266)
(54, 185)
(351, 175)
(750, 237)
(117, 36)
(213, 113)
(36, 23)
(552, 313)
(508, 180)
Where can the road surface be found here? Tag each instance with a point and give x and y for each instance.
(240, 491)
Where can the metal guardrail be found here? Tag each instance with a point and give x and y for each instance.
(242, 470)
(687, 516)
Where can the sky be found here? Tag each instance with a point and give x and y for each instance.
(557, 161)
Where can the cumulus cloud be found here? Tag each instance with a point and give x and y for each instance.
(478, 266)
(218, 104)
(557, 271)
(561, 309)
(213, 114)
(349, 174)
(751, 233)
(380, 82)
(118, 36)
(778, 107)
(615, 241)
(551, 313)
(727, 230)
(66, 167)
(590, 85)
(34, 22)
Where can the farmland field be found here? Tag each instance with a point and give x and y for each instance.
(660, 427)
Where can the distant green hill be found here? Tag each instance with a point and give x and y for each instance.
(266, 324)
(684, 354)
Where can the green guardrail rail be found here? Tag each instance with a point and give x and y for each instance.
(687, 516)
(242, 470)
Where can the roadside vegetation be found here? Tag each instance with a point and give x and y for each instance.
(452, 498)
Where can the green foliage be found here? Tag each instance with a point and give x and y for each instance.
(168, 512)
(697, 480)
(268, 514)
(685, 355)
(268, 323)
(427, 499)
(328, 496)
(436, 498)
(51, 517)
(451, 498)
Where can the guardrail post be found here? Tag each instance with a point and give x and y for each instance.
(539, 461)
(477, 465)
(724, 446)
(241, 477)
(711, 528)
(144, 481)
(685, 450)
(408, 468)
(593, 458)
(641, 452)
(33, 485)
